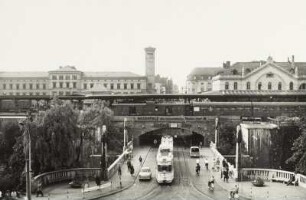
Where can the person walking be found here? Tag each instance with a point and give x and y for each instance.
(206, 163)
(140, 160)
(132, 170)
(39, 190)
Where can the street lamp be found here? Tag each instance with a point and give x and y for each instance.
(124, 134)
(25, 125)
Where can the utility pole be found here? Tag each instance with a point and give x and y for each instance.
(104, 175)
(26, 127)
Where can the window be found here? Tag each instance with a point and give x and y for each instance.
(37, 93)
(17, 86)
(269, 86)
(54, 85)
(44, 86)
(226, 86)
(85, 86)
(235, 72)
(168, 110)
(60, 93)
(54, 77)
(4, 86)
(91, 85)
(279, 86)
(111, 86)
(270, 75)
(61, 84)
(259, 86)
(67, 93)
(132, 86)
(248, 85)
(37, 86)
(31, 93)
(61, 77)
(31, 86)
(105, 85)
(132, 110)
(291, 86)
(118, 86)
(67, 77)
(11, 86)
(138, 86)
(24, 86)
(235, 86)
(125, 86)
(17, 93)
(67, 85)
(74, 84)
(74, 77)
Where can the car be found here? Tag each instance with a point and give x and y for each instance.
(145, 173)
(195, 152)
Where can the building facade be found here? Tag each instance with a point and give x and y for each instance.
(253, 76)
(68, 80)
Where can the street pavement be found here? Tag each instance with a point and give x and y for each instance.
(186, 185)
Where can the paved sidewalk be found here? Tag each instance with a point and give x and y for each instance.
(63, 191)
(271, 190)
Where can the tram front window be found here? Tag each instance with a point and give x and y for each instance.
(166, 168)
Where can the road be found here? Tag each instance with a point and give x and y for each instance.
(186, 184)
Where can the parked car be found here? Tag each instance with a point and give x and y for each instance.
(145, 173)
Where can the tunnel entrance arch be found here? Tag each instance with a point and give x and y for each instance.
(181, 137)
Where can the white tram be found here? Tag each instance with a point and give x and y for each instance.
(164, 161)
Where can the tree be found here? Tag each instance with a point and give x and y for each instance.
(9, 132)
(298, 157)
(55, 134)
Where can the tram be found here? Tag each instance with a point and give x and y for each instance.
(164, 161)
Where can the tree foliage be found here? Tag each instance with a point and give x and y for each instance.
(298, 157)
(55, 134)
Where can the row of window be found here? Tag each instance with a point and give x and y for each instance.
(259, 86)
(112, 86)
(23, 86)
(25, 93)
(66, 77)
(64, 85)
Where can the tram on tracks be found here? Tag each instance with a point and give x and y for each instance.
(164, 161)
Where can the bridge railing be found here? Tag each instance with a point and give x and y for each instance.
(272, 175)
(219, 156)
(69, 174)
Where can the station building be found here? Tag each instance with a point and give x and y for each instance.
(266, 75)
(68, 80)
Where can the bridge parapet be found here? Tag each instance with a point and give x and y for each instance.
(53, 177)
(272, 175)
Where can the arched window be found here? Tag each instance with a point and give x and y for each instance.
(259, 86)
(291, 86)
(226, 86)
(248, 86)
(269, 86)
(279, 86)
(235, 86)
(247, 71)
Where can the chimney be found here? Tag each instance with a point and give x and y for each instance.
(227, 64)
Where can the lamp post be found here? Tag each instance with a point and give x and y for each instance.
(103, 152)
(124, 134)
(25, 125)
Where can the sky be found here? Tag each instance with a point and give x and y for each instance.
(110, 35)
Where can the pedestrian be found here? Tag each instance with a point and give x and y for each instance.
(132, 170)
(225, 175)
(218, 164)
(140, 160)
(39, 190)
(98, 181)
(206, 163)
(129, 164)
(119, 171)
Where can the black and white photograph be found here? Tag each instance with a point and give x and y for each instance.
(152, 99)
